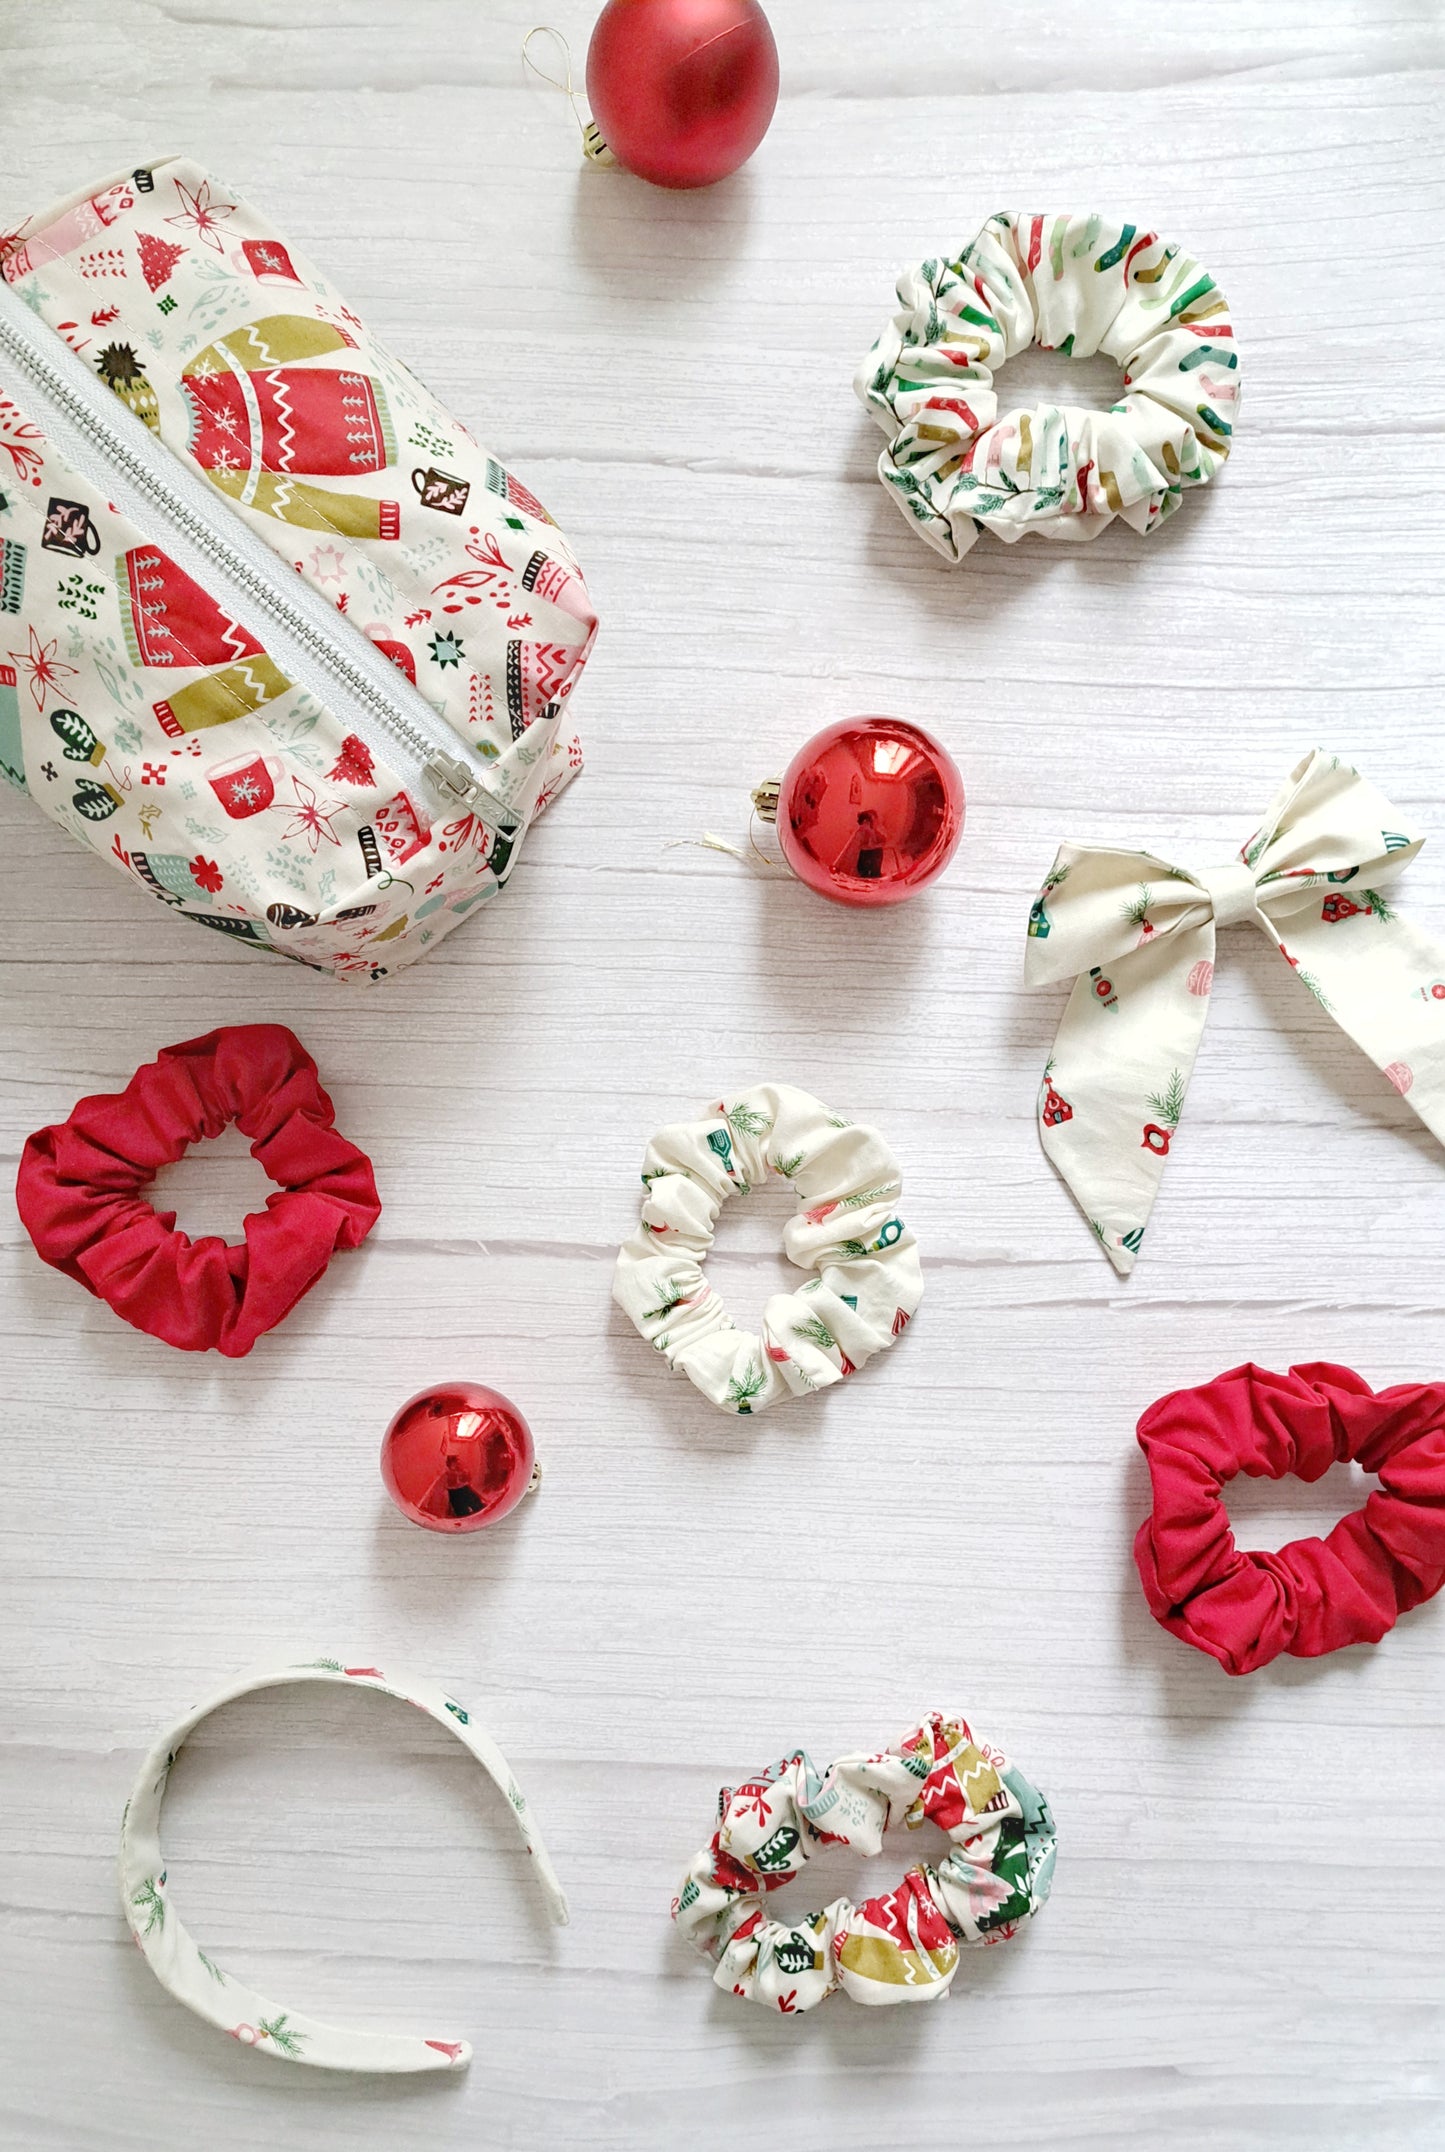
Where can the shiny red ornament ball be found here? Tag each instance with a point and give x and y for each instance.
(870, 811)
(457, 1457)
(683, 91)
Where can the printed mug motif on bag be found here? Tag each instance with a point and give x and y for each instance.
(437, 489)
(245, 787)
(68, 529)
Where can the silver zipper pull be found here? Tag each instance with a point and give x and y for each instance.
(453, 777)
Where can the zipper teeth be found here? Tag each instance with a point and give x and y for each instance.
(267, 599)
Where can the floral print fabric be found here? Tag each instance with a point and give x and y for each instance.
(847, 1230)
(1077, 285)
(900, 1947)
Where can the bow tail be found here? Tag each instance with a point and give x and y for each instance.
(1383, 981)
(1113, 1090)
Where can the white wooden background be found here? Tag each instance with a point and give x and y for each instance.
(1246, 1938)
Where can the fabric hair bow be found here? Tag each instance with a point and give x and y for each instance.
(1137, 937)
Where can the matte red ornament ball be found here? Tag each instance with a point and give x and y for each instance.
(683, 91)
(870, 811)
(458, 1456)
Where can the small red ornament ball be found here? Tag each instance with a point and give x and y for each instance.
(683, 91)
(870, 811)
(457, 1457)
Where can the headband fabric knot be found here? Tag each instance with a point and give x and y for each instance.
(1137, 936)
(1315, 1595)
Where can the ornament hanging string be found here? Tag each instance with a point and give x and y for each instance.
(594, 149)
(765, 798)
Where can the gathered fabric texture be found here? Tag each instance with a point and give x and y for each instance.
(1074, 284)
(904, 1945)
(1314, 1595)
(80, 1190)
(868, 1280)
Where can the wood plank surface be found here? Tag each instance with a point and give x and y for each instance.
(1246, 1942)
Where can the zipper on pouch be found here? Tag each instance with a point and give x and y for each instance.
(317, 648)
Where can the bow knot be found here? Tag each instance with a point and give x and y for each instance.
(1233, 892)
(1137, 936)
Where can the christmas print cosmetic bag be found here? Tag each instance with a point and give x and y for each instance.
(276, 637)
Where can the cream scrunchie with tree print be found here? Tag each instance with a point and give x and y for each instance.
(869, 1280)
(1077, 285)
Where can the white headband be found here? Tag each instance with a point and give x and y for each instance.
(194, 1979)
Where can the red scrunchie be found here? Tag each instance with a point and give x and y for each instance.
(78, 1190)
(1314, 1595)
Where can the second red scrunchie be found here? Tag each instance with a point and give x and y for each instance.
(1314, 1595)
(79, 1190)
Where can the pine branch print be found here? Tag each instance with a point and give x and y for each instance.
(871, 1195)
(150, 1902)
(746, 1121)
(1136, 911)
(212, 1968)
(1169, 1103)
(674, 1293)
(788, 1166)
(745, 1387)
(288, 2040)
(1307, 978)
(816, 1332)
(1376, 906)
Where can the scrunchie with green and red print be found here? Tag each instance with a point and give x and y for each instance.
(897, 1948)
(957, 465)
(867, 1280)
